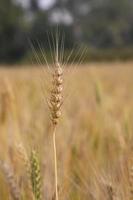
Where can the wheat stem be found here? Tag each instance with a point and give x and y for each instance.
(55, 103)
(55, 163)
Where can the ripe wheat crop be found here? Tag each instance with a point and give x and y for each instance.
(90, 132)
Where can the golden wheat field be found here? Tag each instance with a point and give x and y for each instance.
(94, 134)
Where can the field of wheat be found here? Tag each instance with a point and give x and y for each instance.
(94, 134)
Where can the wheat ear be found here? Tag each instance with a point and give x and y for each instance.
(55, 108)
(26, 163)
(35, 176)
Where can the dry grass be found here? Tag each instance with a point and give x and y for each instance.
(94, 137)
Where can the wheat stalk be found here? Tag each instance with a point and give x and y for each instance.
(55, 104)
(10, 178)
(130, 171)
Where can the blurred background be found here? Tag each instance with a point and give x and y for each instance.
(105, 27)
(95, 133)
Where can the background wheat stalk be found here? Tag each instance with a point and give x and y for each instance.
(10, 178)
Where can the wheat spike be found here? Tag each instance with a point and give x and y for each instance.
(56, 94)
(35, 176)
(55, 104)
(26, 163)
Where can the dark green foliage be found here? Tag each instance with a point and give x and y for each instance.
(105, 26)
(11, 31)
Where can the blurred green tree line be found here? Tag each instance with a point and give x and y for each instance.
(101, 25)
